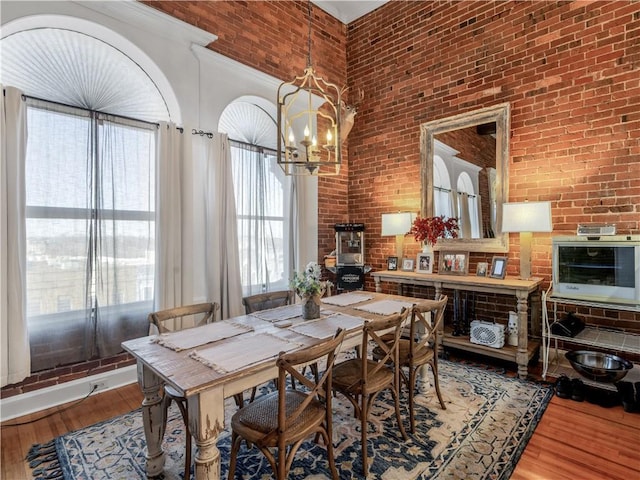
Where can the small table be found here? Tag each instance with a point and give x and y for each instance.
(206, 388)
(521, 289)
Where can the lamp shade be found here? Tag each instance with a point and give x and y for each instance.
(396, 223)
(526, 217)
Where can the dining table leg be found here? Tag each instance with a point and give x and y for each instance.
(153, 419)
(206, 421)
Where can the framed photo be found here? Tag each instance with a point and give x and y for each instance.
(498, 267)
(392, 263)
(481, 269)
(454, 263)
(424, 263)
(407, 264)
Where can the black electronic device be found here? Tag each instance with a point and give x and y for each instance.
(569, 326)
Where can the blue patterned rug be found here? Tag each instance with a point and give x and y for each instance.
(488, 422)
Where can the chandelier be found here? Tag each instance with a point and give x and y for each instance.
(308, 123)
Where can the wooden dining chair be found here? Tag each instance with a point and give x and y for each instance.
(421, 348)
(282, 420)
(265, 301)
(362, 379)
(175, 319)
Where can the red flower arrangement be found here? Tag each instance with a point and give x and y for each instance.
(429, 230)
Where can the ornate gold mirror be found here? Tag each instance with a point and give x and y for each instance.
(464, 174)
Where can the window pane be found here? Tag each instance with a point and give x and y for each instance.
(56, 264)
(127, 171)
(57, 172)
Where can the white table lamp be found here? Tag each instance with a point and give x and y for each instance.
(397, 224)
(526, 218)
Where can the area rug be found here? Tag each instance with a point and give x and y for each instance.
(481, 435)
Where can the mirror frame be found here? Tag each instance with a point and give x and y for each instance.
(501, 114)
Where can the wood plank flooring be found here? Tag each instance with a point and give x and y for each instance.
(574, 440)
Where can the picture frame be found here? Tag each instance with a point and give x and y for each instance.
(498, 267)
(407, 264)
(392, 263)
(454, 263)
(424, 262)
(482, 268)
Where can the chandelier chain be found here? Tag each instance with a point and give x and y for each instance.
(309, 37)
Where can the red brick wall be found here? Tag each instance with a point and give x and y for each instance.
(571, 72)
(271, 36)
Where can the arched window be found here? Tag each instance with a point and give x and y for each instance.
(468, 211)
(442, 194)
(263, 195)
(90, 185)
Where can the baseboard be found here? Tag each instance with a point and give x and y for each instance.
(44, 398)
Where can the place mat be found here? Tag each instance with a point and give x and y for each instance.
(345, 299)
(280, 313)
(326, 327)
(241, 352)
(385, 307)
(195, 337)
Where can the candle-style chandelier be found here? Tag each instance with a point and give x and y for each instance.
(308, 123)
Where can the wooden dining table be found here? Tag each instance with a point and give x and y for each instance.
(213, 362)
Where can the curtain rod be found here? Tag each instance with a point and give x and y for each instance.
(448, 190)
(157, 125)
(202, 133)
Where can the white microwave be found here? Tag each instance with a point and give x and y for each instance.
(599, 269)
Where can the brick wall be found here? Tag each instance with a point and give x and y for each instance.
(571, 71)
(271, 36)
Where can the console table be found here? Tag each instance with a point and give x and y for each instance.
(521, 289)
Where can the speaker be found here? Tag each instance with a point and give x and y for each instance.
(486, 333)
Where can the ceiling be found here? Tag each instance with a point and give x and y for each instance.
(348, 10)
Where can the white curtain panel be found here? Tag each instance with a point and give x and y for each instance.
(14, 339)
(465, 220)
(169, 248)
(222, 259)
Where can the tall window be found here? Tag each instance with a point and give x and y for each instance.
(263, 218)
(468, 210)
(263, 195)
(90, 232)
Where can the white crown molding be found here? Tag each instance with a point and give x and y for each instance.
(140, 15)
(242, 70)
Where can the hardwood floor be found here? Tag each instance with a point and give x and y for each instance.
(574, 440)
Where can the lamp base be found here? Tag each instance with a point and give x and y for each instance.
(525, 255)
(399, 246)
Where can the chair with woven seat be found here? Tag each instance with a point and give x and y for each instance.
(265, 301)
(420, 349)
(362, 379)
(285, 418)
(175, 319)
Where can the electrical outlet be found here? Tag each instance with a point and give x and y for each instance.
(97, 386)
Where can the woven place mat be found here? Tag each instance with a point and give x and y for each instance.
(326, 327)
(195, 337)
(345, 299)
(237, 353)
(385, 307)
(280, 313)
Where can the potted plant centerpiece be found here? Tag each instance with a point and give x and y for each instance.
(310, 289)
(429, 229)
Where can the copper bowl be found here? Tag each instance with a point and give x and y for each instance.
(597, 366)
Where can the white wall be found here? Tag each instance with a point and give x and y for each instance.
(196, 82)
